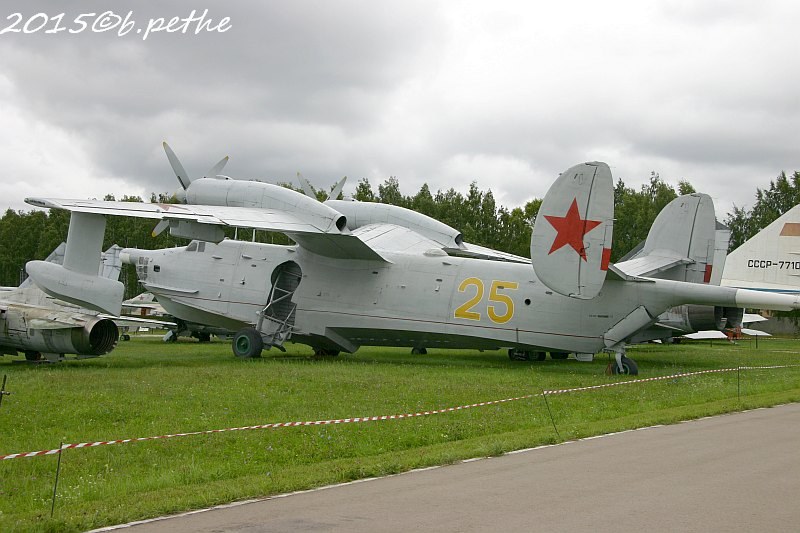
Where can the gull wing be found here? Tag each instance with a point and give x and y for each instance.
(242, 217)
(323, 233)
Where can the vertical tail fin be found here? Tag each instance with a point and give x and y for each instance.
(685, 227)
(770, 260)
(571, 241)
(681, 243)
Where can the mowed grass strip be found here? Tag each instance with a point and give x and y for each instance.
(146, 388)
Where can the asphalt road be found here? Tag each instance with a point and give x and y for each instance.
(738, 472)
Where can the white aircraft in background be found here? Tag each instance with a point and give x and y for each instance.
(146, 305)
(770, 260)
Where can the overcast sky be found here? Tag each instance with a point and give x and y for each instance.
(504, 93)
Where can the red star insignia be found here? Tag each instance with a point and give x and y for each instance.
(571, 229)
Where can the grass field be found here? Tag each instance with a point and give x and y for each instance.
(146, 388)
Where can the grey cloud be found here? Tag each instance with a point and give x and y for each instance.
(317, 70)
(369, 89)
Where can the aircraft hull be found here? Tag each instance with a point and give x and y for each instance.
(411, 299)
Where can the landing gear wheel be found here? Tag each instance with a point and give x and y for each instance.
(419, 351)
(204, 337)
(247, 343)
(539, 356)
(326, 352)
(629, 367)
(125, 337)
(519, 355)
(33, 356)
(558, 355)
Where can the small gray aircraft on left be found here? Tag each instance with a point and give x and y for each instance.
(44, 328)
(33, 323)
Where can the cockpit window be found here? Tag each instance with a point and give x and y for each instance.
(196, 246)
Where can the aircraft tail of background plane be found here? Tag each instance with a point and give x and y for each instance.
(571, 241)
(77, 280)
(770, 260)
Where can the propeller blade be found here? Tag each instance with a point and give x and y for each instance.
(307, 188)
(160, 227)
(183, 177)
(216, 169)
(334, 195)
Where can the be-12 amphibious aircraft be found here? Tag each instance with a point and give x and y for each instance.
(374, 274)
(685, 220)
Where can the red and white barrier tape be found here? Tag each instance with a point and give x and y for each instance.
(384, 417)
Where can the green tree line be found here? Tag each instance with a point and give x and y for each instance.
(27, 235)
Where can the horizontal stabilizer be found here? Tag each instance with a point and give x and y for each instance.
(620, 275)
(571, 241)
(652, 265)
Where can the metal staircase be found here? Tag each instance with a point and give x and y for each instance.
(276, 320)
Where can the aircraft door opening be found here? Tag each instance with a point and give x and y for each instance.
(276, 320)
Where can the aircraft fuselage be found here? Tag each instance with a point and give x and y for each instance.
(418, 299)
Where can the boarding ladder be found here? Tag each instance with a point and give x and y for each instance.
(276, 320)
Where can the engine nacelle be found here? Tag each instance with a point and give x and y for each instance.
(706, 317)
(363, 213)
(238, 193)
(97, 336)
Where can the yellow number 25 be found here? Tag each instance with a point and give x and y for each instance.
(499, 314)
